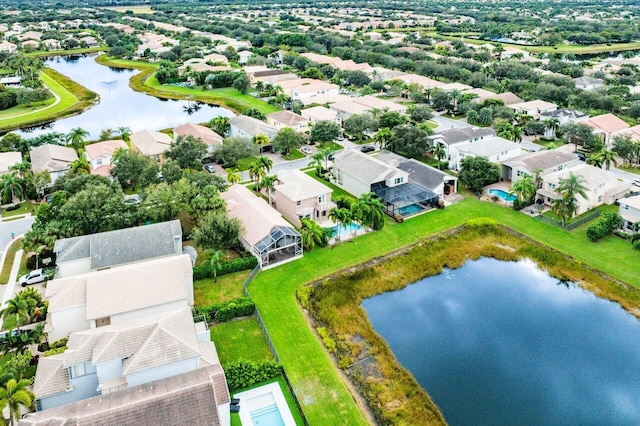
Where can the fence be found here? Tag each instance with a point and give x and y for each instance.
(573, 225)
(245, 289)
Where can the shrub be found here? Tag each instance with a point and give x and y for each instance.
(61, 343)
(55, 351)
(243, 374)
(225, 311)
(602, 228)
(235, 265)
(304, 293)
(328, 341)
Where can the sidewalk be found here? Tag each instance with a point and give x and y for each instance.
(9, 289)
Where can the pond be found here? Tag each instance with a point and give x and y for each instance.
(504, 343)
(119, 104)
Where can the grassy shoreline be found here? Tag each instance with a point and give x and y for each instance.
(324, 396)
(145, 82)
(74, 99)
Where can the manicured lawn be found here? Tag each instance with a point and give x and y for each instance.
(324, 397)
(335, 146)
(245, 100)
(25, 207)
(294, 154)
(228, 287)
(431, 124)
(336, 190)
(78, 51)
(630, 169)
(238, 339)
(287, 396)
(244, 163)
(8, 261)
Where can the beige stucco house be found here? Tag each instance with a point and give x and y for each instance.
(151, 144)
(298, 195)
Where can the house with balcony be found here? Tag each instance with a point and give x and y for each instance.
(629, 210)
(99, 155)
(602, 187)
(151, 144)
(460, 139)
(542, 162)
(54, 159)
(265, 234)
(298, 196)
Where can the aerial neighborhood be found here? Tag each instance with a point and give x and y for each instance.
(237, 213)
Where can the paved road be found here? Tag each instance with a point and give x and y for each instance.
(445, 123)
(18, 227)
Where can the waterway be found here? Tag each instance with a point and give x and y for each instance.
(120, 106)
(504, 343)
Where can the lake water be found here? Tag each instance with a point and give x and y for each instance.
(504, 343)
(119, 104)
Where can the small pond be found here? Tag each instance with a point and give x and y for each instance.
(120, 105)
(504, 343)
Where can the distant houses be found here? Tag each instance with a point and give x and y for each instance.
(54, 159)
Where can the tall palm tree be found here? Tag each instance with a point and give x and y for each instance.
(265, 163)
(316, 161)
(76, 138)
(18, 306)
(256, 172)
(313, 235)
(215, 263)
(375, 211)
(16, 395)
(268, 183)
(608, 156)
(524, 188)
(234, 176)
(569, 189)
(439, 152)
(339, 217)
(595, 159)
(10, 183)
(327, 151)
(124, 133)
(80, 166)
(383, 137)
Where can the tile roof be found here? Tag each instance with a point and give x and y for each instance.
(8, 159)
(608, 123)
(488, 146)
(104, 148)
(319, 113)
(251, 125)
(420, 173)
(52, 158)
(464, 134)
(544, 160)
(207, 135)
(150, 142)
(287, 118)
(362, 166)
(298, 186)
(631, 202)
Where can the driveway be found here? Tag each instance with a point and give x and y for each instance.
(445, 123)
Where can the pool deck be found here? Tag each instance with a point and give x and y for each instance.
(264, 396)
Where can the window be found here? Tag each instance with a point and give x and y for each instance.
(321, 198)
(551, 185)
(80, 370)
(298, 203)
(600, 198)
(99, 161)
(398, 180)
(102, 322)
(324, 213)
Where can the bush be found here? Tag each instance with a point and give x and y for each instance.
(243, 374)
(304, 293)
(235, 265)
(55, 351)
(328, 341)
(225, 311)
(61, 343)
(602, 228)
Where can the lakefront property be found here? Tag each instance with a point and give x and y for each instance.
(236, 214)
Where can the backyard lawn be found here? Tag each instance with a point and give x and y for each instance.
(287, 396)
(228, 287)
(323, 395)
(240, 339)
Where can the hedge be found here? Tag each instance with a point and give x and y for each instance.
(225, 311)
(242, 374)
(604, 226)
(235, 265)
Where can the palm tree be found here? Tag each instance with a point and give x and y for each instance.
(268, 182)
(472, 116)
(595, 159)
(327, 151)
(18, 306)
(608, 156)
(124, 133)
(375, 211)
(517, 134)
(256, 172)
(220, 125)
(16, 395)
(313, 235)
(316, 161)
(569, 189)
(439, 152)
(234, 176)
(551, 125)
(215, 263)
(106, 134)
(339, 217)
(80, 166)
(524, 188)
(10, 183)
(383, 136)
(266, 163)
(76, 138)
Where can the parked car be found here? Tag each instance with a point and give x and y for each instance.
(331, 157)
(636, 182)
(367, 148)
(306, 150)
(209, 167)
(581, 156)
(33, 277)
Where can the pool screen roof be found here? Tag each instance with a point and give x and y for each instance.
(270, 242)
(404, 195)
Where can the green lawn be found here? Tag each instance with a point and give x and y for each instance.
(244, 163)
(323, 395)
(630, 169)
(24, 207)
(294, 154)
(287, 396)
(8, 261)
(228, 287)
(78, 51)
(240, 338)
(337, 191)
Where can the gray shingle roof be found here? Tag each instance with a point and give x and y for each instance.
(464, 134)
(419, 173)
(252, 126)
(123, 246)
(191, 398)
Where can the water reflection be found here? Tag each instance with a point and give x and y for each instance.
(500, 343)
(119, 104)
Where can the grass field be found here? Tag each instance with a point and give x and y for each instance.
(8, 261)
(324, 397)
(79, 51)
(241, 338)
(228, 287)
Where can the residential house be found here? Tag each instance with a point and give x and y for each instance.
(508, 98)
(588, 83)
(52, 44)
(382, 105)
(602, 187)
(30, 35)
(541, 162)
(271, 76)
(425, 82)
(8, 160)
(629, 210)
(298, 196)
(435, 180)
(109, 359)
(510, 52)
(533, 108)
(493, 148)
(243, 126)
(11, 81)
(607, 126)
(30, 45)
(118, 294)
(87, 253)
(89, 41)
(307, 88)
(265, 234)
(320, 113)
(359, 173)
(99, 155)
(564, 116)
(208, 136)
(150, 144)
(163, 401)
(285, 118)
(199, 66)
(243, 56)
(450, 87)
(216, 58)
(452, 138)
(325, 100)
(54, 159)
(346, 109)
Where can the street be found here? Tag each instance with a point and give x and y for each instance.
(17, 227)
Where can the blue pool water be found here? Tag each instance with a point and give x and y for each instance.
(409, 210)
(345, 230)
(267, 416)
(502, 194)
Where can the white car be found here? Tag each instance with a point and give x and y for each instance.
(33, 277)
(306, 150)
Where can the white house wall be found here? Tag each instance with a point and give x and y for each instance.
(353, 185)
(109, 370)
(74, 267)
(162, 372)
(148, 312)
(67, 321)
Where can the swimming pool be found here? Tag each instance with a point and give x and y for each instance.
(350, 230)
(410, 209)
(264, 406)
(502, 194)
(267, 416)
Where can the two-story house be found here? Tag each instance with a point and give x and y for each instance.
(243, 126)
(541, 162)
(208, 136)
(54, 159)
(534, 108)
(99, 155)
(298, 196)
(282, 119)
(607, 126)
(629, 209)
(151, 144)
